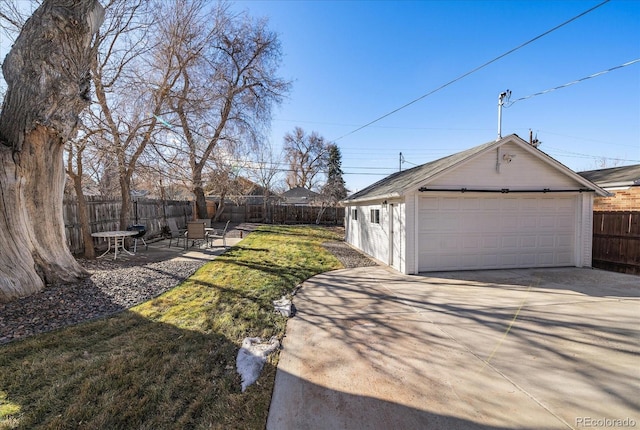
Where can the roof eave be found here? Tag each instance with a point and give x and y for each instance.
(371, 198)
(619, 184)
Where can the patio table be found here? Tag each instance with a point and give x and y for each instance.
(118, 237)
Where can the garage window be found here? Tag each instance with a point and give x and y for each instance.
(375, 216)
(354, 214)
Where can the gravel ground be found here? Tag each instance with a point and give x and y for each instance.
(111, 288)
(349, 257)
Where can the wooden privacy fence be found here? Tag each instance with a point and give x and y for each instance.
(280, 214)
(290, 214)
(616, 241)
(104, 215)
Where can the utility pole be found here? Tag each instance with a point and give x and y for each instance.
(501, 98)
(400, 161)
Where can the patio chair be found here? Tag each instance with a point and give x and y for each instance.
(176, 233)
(214, 234)
(195, 233)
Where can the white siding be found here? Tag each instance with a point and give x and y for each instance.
(525, 171)
(411, 219)
(398, 240)
(585, 226)
(371, 238)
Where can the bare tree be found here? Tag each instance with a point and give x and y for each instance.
(13, 15)
(12, 18)
(75, 171)
(265, 172)
(132, 80)
(606, 163)
(307, 158)
(228, 85)
(224, 181)
(48, 81)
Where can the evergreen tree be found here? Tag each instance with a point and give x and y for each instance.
(334, 190)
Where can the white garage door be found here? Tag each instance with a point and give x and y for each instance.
(496, 231)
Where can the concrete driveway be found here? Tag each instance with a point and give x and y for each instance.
(536, 349)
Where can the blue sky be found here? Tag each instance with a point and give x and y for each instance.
(354, 61)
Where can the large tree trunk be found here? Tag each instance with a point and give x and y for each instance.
(201, 203)
(220, 208)
(125, 209)
(198, 193)
(47, 73)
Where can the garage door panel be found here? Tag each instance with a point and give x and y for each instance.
(529, 223)
(564, 240)
(489, 203)
(471, 242)
(458, 233)
(564, 205)
(505, 205)
(508, 260)
(563, 259)
(491, 242)
(545, 259)
(489, 260)
(530, 205)
(509, 243)
(529, 241)
(527, 259)
(507, 223)
(564, 222)
(449, 224)
(546, 241)
(547, 221)
(450, 204)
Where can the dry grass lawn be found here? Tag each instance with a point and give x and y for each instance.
(168, 363)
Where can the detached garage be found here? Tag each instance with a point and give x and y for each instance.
(504, 204)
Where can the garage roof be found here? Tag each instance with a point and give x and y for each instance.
(614, 176)
(399, 183)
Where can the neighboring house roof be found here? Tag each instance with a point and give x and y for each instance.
(409, 180)
(625, 176)
(299, 195)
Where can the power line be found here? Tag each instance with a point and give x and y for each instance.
(572, 154)
(586, 139)
(474, 70)
(394, 127)
(574, 82)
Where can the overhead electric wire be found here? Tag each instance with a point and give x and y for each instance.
(474, 70)
(572, 154)
(637, 60)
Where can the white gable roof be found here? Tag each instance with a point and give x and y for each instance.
(436, 172)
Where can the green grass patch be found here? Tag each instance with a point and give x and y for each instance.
(168, 363)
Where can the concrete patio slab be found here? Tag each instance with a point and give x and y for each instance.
(534, 349)
(159, 250)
